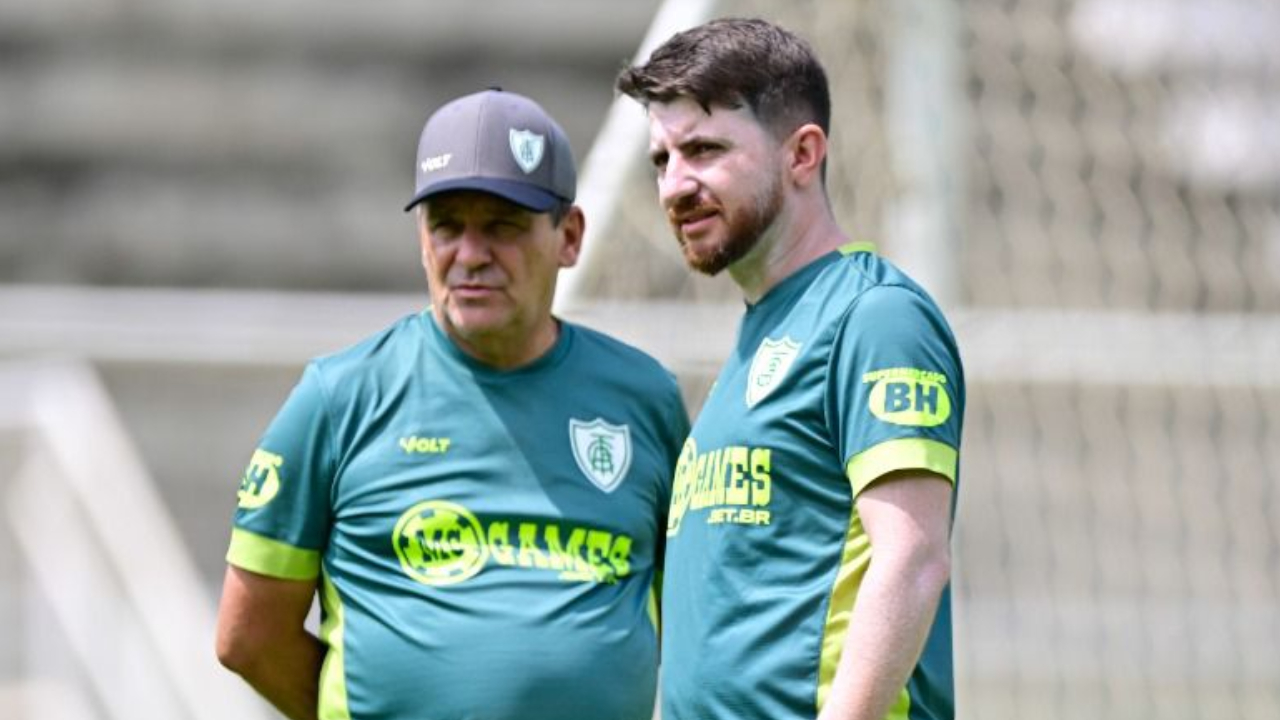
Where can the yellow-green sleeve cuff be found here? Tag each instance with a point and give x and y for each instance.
(903, 454)
(256, 553)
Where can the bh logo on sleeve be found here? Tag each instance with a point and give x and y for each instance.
(908, 396)
(261, 480)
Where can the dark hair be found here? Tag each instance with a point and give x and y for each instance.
(736, 62)
(559, 211)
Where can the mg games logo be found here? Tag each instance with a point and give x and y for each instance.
(603, 451)
(730, 485)
(769, 366)
(440, 543)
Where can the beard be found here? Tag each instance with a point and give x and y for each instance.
(743, 231)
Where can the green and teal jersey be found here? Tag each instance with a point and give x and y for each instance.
(843, 372)
(485, 542)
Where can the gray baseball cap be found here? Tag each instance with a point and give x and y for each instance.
(496, 142)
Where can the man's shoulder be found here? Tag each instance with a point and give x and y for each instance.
(597, 342)
(599, 349)
(387, 347)
(862, 276)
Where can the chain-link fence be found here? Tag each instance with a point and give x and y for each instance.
(1118, 545)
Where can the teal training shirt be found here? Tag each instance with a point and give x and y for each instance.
(486, 542)
(844, 371)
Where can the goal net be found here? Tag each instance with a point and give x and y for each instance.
(1093, 190)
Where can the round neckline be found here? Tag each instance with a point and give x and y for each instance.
(798, 279)
(551, 357)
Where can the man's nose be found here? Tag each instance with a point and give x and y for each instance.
(473, 248)
(676, 182)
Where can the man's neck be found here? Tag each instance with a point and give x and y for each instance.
(793, 242)
(507, 350)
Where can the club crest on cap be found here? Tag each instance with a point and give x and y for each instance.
(526, 148)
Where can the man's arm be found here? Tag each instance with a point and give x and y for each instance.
(261, 637)
(907, 516)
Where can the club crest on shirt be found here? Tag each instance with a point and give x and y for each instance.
(603, 451)
(526, 148)
(770, 365)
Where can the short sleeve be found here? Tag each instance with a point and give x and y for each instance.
(895, 396)
(283, 513)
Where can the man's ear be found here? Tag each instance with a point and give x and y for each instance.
(572, 227)
(807, 150)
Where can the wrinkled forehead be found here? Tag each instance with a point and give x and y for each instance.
(678, 121)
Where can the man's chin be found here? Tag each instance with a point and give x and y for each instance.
(474, 321)
(712, 260)
(707, 261)
(709, 265)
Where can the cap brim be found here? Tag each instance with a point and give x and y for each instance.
(527, 196)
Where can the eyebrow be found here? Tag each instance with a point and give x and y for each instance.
(698, 139)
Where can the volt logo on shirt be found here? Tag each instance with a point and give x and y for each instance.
(443, 543)
(908, 396)
(425, 445)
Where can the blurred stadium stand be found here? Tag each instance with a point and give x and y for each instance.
(196, 197)
(189, 195)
